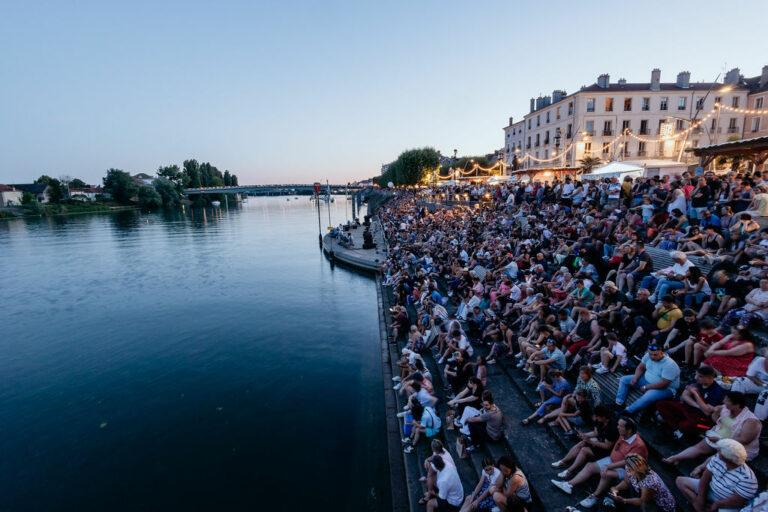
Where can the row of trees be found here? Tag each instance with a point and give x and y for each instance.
(167, 188)
(412, 167)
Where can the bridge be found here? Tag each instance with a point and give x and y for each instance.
(271, 190)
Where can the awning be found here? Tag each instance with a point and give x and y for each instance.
(615, 170)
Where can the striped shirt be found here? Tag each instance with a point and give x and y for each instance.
(724, 483)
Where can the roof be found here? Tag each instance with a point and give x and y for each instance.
(32, 188)
(6, 188)
(646, 86)
(734, 144)
(754, 85)
(143, 176)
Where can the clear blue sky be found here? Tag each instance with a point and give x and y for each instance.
(295, 91)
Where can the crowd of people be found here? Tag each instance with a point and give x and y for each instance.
(558, 280)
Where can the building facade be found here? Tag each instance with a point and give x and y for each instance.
(621, 120)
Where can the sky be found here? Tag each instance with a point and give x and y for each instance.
(299, 91)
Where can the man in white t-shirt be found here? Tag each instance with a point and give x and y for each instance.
(450, 492)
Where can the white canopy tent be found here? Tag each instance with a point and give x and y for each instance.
(615, 170)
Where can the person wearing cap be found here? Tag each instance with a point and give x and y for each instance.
(657, 376)
(727, 483)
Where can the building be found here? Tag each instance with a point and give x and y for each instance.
(756, 124)
(90, 193)
(143, 179)
(10, 196)
(39, 190)
(622, 120)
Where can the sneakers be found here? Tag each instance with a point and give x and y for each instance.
(397, 387)
(588, 502)
(563, 486)
(441, 361)
(406, 440)
(521, 364)
(519, 355)
(408, 449)
(601, 370)
(531, 378)
(678, 435)
(558, 464)
(563, 474)
(401, 414)
(457, 423)
(396, 379)
(594, 366)
(652, 299)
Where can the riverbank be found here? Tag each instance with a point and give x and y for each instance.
(49, 210)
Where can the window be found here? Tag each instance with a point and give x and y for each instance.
(546, 153)
(679, 125)
(591, 105)
(537, 154)
(735, 102)
(587, 147)
(507, 134)
(681, 103)
(641, 148)
(713, 124)
(568, 131)
(646, 104)
(756, 124)
(590, 128)
(699, 103)
(547, 115)
(538, 120)
(546, 137)
(529, 124)
(732, 128)
(570, 108)
(696, 143)
(528, 146)
(759, 103)
(643, 127)
(624, 126)
(627, 104)
(606, 148)
(664, 101)
(718, 99)
(558, 112)
(609, 104)
(538, 140)
(607, 131)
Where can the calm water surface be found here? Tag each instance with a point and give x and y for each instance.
(175, 361)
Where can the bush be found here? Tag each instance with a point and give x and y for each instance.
(34, 207)
(149, 198)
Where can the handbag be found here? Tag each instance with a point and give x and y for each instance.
(449, 416)
(461, 448)
(408, 425)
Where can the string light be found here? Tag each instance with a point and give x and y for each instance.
(744, 110)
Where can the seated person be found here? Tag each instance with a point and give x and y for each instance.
(609, 468)
(593, 445)
(488, 426)
(657, 376)
(731, 355)
(450, 492)
(648, 487)
(482, 497)
(727, 483)
(694, 410)
(682, 330)
(541, 361)
(612, 357)
(735, 421)
(551, 390)
(706, 337)
(512, 493)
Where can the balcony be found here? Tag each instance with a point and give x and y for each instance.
(645, 131)
(546, 141)
(590, 133)
(568, 135)
(607, 133)
(537, 144)
(642, 153)
(527, 146)
(733, 129)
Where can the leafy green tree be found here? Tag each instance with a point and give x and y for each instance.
(77, 183)
(27, 197)
(167, 190)
(412, 167)
(55, 190)
(192, 171)
(43, 179)
(227, 179)
(34, 207)
(120, 184)
(233, 180)
(149, 198)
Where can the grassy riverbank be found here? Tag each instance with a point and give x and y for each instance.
(65, 208)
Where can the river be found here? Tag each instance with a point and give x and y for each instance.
(189, 361)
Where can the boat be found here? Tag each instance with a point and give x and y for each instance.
(216, 204)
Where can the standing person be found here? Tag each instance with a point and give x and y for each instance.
(450, 493)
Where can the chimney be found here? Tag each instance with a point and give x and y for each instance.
(732, 77)
(533, 104)
(539, 103)
(656, 79)
(510, 121)
(547, 101)
(764, 76)
(622, 81)
(559, 95)
(684, 79)
(603, 81)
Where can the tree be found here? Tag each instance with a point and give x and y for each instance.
(167, 190)
(233, 180)
(192, 171)
(43, 179)
(227, 179)
(27, 197)
(149, 198)
(588, 163)
(55, 190)
(77, 183)
(120, 184)
(412, 167)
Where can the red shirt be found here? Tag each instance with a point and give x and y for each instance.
(622, 448)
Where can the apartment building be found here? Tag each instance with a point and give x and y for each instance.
(756, 125)
(563, 128)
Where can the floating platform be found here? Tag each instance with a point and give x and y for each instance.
(355, 256)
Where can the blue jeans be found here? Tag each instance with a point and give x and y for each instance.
(649, 283)
(649, 397)
(695, 299)
(664, 285)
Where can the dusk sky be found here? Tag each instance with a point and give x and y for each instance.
(298, 91)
